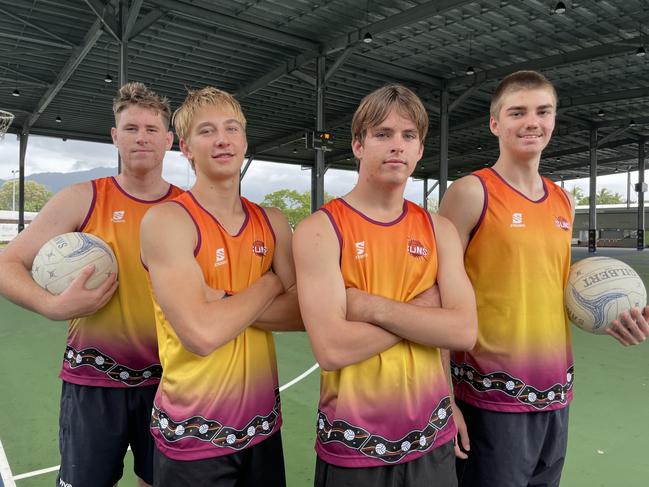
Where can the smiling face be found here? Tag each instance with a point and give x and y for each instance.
(216, 142)
(390, 151)
(142, 138)
(524, 122)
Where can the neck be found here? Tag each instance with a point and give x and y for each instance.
(522, 174)
(220, 197)
(147, 186)
(381, 203)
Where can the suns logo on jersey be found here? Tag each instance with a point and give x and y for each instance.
(417, 249)
(258, 248)
(562, 223)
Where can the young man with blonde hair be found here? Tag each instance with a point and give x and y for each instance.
(381, 286)
(216, 417)
(515, 386)
(110, 369)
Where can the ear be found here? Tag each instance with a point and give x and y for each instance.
(113, 134)
(357, 149)
(184, 148)
(170, 139)
(493, 126)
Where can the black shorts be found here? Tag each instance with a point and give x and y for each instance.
(257, 466)
(96, 426)
(513, 449)
(436, 468)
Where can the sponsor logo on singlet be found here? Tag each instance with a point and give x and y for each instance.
(258, 248)
(517, 221)
(118, 216)
(220, 257)
(417, 249)
(360, 250)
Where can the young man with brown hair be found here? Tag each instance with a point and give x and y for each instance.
(110, 369)
(381, 286)
(216, 417)
(515, 386)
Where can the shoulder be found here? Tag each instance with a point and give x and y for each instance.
(275, 216)
(316, 225)
(442, 225)
(468, 186)
(167, 214)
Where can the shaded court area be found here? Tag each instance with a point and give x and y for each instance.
(609, 431)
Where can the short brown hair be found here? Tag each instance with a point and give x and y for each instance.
(196, 99)
(136, 93)
(376, 106)
(519, 80)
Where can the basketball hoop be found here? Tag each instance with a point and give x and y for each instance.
(5, 121)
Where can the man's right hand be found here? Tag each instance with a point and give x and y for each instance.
(77, 301)
(462, 438)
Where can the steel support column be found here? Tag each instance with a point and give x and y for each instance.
(641, 191)
(592, 210)
(122, 70)
(425, 202)
(318, 169)
(24, 136)
(443, 142)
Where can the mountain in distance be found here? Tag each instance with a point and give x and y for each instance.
(56, 181)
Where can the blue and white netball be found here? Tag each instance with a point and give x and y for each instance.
(599, 289)
(62, 258)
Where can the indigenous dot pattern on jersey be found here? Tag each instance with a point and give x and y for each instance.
(211, 430)
(104, 363)
(376, 446)
(501, 381)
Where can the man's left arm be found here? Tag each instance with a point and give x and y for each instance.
(453, 326)
(284, 312)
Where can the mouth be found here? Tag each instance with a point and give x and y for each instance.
(396, 161)
(530, 136)
(223, 156)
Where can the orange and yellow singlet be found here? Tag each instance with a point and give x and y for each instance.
(518, 259)
(393, 407)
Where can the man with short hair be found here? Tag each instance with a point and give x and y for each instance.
(381, 286)
(216, 417)
(515, 386)
(110, 369)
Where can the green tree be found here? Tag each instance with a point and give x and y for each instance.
(36, 195)
(295, 205)
(577, 193)
(604, 197)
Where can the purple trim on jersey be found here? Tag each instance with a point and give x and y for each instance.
(243, 225)
(263, 212)
(337, 230)
(198, 230)
(432, 225)
(404, 212)
(484, 208)
(149, 202)
(143, 264)
(92, 206)
(540, 200)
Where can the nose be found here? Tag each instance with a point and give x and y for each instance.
(141, 136)
(397, 144)
(221, 139)
(532, 120)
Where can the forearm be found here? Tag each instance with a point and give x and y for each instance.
(451, 328)
(211, 324)
(345, 343)
(17, 285)
(282, 315)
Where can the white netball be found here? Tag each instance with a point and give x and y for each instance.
(599, 289)
(62, 258)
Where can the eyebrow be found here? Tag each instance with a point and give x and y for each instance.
(540, 107)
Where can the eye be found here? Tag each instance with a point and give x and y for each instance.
(233, 129)
(410, 136)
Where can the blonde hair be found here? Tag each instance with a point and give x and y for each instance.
(519, 80)
(197, 99)
(136, 93)
(376, 106)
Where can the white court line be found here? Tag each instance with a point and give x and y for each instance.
(9, 480)
(5, 469)
(299, 377)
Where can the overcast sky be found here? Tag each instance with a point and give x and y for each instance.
(46, 154)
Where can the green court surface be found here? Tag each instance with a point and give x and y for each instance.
(609, 424)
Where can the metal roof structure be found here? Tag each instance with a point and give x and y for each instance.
(276, 55)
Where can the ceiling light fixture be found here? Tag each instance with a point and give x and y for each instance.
(58, 119)
(600, 113)
(560, 8)
(631, 123)
(641, 52)
(15, 92)
(108, 78)
(469, 69)
(367, 38)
